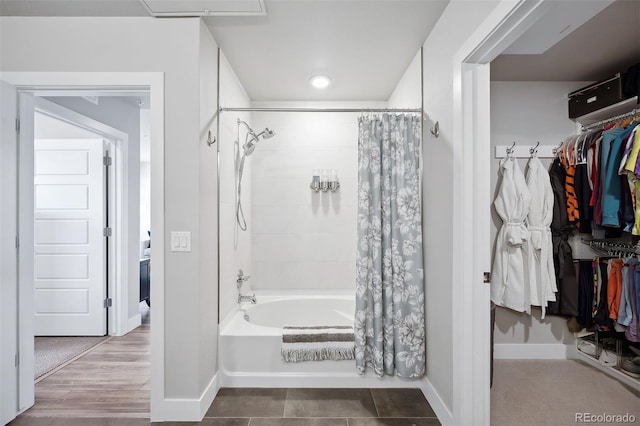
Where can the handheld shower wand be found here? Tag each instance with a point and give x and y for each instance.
(248, 147)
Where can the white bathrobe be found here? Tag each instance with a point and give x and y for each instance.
(512, 261)
(542, 281)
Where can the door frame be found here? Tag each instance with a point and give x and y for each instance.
(96, 81)
(472, 193)
(117, 203)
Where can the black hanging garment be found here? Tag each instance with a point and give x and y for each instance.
(585, 293)
(566, 303)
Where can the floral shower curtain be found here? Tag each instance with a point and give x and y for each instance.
(389, 322)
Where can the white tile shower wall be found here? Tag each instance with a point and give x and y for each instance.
(235, 245)
(304, 240)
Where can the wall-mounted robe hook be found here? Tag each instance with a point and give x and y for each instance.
(534, 149)
(210, 140)
(510, 149)
(435, 130)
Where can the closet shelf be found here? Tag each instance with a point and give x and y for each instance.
(607, 112)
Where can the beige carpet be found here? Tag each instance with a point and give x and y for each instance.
(540, 392)
(51, 352)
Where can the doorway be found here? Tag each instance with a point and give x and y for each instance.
(22, 90)
(102, 168)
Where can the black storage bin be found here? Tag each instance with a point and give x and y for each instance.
(595, 97)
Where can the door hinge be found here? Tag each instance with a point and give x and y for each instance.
(108, 302)
(17, 242)
(106, 160)
(487, 277)
(17, 125)
(107, 232)
(17, 360)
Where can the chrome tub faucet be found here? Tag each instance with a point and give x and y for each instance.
(239, 282)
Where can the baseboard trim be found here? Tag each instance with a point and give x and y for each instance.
(534, 351)
(133, 323)
(191, 410)
(439, 407)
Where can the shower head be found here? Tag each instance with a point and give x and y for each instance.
(253, 138)
(266, 133)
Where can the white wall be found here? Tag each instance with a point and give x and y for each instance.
(171, 46)
(455, 26)
(208, 215)
(407, 93)
(235, 245)
(527, 112)
(303, 240)
(124, 116)
(145, 173)
(145, 199)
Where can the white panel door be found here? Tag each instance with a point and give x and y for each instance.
(8, 253)
(69, 244)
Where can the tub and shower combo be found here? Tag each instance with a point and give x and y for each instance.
(251, 334)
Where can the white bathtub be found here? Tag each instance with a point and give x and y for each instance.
(249, 350)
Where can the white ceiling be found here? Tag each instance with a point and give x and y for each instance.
(607, 43)
(366, 45)
(72, 8)
(363, 46)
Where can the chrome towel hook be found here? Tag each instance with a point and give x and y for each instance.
(210, 140)
(435, 130)
(534, 150)
(510, 149)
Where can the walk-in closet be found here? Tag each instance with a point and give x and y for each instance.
(564, 148)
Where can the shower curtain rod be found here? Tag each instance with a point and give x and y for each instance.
(415, 110)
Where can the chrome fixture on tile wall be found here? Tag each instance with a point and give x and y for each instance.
(325, 180)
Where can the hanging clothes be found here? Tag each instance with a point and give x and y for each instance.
(614, 289)
(566, 281)
(583, 179)
(513, 258)
(624, 309)
(568, 158)
(611, 183)
(631, 333)
(542, 282)
(585, 292)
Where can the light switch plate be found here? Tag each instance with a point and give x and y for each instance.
(180, 241)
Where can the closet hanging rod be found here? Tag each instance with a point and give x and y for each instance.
(631, 113)
(257, 109)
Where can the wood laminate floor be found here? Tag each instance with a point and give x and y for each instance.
(112, 380)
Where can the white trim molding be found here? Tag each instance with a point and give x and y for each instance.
(471, 193)
(191, 410)
(133, 323)
(439, 407)
(132, 81)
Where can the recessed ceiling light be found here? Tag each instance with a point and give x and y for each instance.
(320, 81)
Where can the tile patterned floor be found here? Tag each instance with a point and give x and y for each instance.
(319, 407)
(289, 407)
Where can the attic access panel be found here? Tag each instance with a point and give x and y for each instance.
(167, 8)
